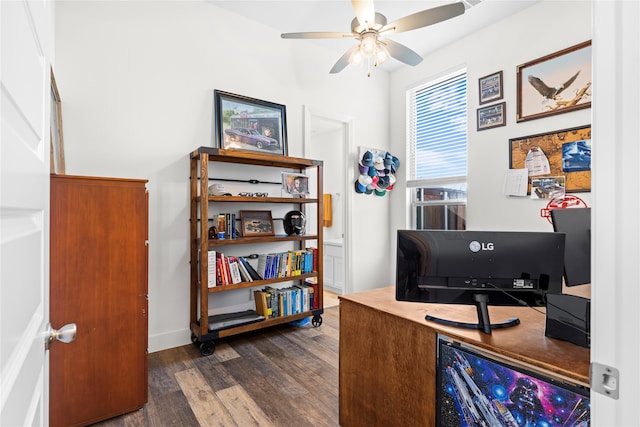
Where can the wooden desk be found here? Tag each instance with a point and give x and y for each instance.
(388, 354)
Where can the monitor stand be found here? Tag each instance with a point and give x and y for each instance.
(483, 318)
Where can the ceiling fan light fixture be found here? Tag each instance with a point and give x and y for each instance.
(368, 46)
(356, 57)
(369, 25)
(382, 54)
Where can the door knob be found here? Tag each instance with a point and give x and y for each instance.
(66, 334)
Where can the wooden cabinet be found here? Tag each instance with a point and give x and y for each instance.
(98, 280)
(206, 160)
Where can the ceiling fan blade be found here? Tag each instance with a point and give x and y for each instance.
(315, 35)
(343, 61)
(365, 12)
(401, 52)
(425, 18)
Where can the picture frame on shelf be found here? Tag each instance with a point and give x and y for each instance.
(554, 84)
(491, 116)
(295, 184)
(490, 88)
(249, 124)
(256, 223)
(565, 152)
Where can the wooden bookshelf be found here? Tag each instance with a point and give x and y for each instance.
(205, 160)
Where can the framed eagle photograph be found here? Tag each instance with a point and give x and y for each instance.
(555, 84)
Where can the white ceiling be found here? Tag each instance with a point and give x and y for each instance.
(289, 16)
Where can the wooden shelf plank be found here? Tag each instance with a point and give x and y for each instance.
(224, 288)
(267, 322)
(259, 239)
(229, 199)
(254, 158)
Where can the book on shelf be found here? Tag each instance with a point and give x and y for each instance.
(234, 270)
(246, 277)
(262, 305)
(211, 269)
(267, 265)
(313, 283)
(252, 272)
(219, 278)
(314, 258)
(234, 230)
(274, 301)
(306, 292)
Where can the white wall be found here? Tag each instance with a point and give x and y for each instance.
(520, 38)
(136, 81)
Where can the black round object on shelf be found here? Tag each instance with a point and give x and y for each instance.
(294, 222)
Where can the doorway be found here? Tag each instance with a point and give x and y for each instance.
(327, 137)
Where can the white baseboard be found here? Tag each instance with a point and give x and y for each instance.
(169, 340)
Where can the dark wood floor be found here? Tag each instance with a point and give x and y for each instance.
(281, 376)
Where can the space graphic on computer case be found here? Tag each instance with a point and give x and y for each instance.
(476, 391)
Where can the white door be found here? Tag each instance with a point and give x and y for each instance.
(615, 294)
(327, 137)
(24, 211)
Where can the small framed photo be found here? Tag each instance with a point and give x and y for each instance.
(490, 87)
(295, 184)
(492, 116)
(249, 124)
(256, 223)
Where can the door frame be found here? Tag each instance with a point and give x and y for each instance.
(347, 124)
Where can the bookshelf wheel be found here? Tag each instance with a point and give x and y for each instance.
(316, 320)
(194, 338)
(207, 348)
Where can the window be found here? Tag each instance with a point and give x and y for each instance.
(437, 144)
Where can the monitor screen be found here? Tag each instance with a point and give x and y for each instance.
(479, 268)
(474, 389)
(576, 224)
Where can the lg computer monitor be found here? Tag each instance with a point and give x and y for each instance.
(576, 224)
(479, 268)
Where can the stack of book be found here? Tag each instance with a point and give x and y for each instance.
(285, 264)
(272, 303)
(229, 270)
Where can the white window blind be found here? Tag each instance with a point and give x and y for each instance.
(437, 130)
(437, 144)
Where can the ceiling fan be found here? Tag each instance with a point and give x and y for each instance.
(370, 29)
